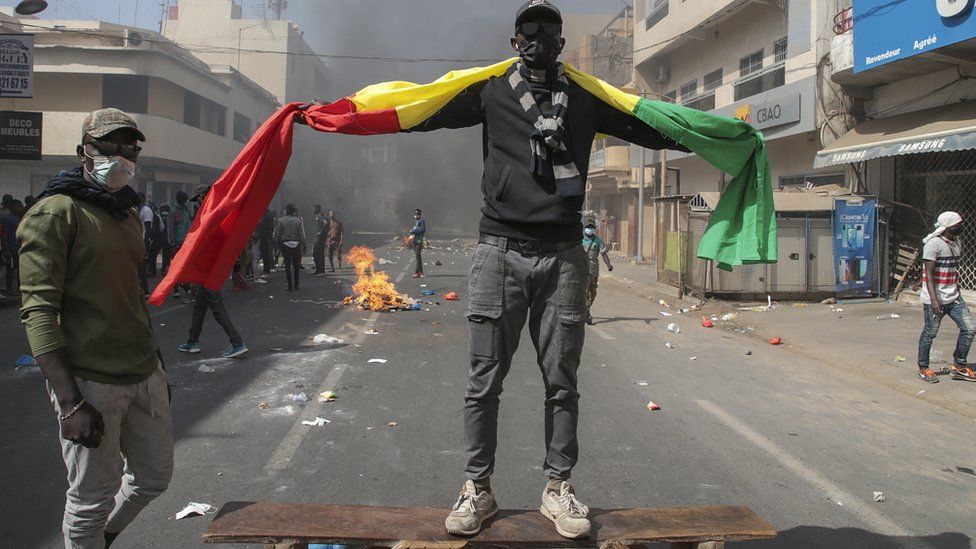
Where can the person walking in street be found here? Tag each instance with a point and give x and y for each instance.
(146, 219)
(289, 236)
(213, 300)
(165, 248)
(82, 250)
(319, 225)
(180, 221)
(419, 232)
(940, 297)
(10, 218)
(266, 229)
(334, 239)
(595, 248)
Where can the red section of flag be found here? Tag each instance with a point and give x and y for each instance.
(232, 208)
(243, 192)
(341, 117)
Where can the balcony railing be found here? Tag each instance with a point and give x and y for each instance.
(705, 102)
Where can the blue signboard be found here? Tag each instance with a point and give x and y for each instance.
(854, 229)
(889, 30)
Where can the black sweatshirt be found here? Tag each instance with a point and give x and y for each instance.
(517, 205)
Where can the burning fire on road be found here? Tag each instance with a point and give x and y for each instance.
(374, 289)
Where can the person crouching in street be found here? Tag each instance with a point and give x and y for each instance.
(595, 248)
(289, 235)
(86, 320)
(213, 300)
(940, 296)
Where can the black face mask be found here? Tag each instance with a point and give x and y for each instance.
(540, 52)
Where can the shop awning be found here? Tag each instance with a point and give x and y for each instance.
(948, 128)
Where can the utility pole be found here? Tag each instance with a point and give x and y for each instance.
(641, 183)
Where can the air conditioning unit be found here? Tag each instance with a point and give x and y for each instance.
(663, 75)
(134, 39)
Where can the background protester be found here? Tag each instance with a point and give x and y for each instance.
(334, 239)
(289, 236)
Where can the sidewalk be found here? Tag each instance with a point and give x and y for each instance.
(846, 336)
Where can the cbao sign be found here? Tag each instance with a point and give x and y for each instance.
(16, 65)
(775, 112)
(886, 31)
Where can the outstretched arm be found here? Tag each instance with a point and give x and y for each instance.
(629, 128)
(462, 111)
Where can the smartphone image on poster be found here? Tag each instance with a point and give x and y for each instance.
(851, 237)
(843, 273)
(863, 269)
(843, 236)
(859, 231)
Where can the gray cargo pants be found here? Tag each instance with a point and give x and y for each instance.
(109, 485)
(505, 288)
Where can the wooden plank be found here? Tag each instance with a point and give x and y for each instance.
(266, 522)
(908, 254)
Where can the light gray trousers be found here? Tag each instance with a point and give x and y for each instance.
(505, 289)
(109, 485)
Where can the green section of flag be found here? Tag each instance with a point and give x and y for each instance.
(742, 229)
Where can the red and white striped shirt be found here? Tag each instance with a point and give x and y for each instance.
(945, 253)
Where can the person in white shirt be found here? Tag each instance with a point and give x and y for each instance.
(940, 296)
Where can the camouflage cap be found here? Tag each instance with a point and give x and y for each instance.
(102, 122)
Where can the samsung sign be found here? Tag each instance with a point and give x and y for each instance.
(889, 30)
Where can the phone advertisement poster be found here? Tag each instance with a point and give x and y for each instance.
(854, 235)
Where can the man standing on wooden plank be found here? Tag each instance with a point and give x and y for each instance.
(529, 265)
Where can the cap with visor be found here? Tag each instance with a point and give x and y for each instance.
(102, 122)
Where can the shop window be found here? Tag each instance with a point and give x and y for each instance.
(713, 80)
(811, 181)
(128, 92)
(671, 95)
(751, 63)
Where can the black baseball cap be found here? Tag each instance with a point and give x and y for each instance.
(533, 7)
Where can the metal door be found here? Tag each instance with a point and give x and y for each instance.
(821, 258)
(789, 274)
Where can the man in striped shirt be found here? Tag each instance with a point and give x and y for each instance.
(941, 297)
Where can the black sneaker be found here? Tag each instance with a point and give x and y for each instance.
(927, 376)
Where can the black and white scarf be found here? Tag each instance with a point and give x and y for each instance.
(551, 159)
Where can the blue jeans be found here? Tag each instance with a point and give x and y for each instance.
(958, 311)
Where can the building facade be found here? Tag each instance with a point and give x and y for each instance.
(196, 116)
(909, 75)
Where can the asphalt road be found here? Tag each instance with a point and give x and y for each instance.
(803, 443)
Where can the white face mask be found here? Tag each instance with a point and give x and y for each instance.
(589, 232)
(111, 172)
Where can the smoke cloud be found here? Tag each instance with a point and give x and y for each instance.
(439, 172)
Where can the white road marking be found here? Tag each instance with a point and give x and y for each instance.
(289, 445)
(875, 520)
(602, 333)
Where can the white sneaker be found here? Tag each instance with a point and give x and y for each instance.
(471, 510)
(566, 512)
